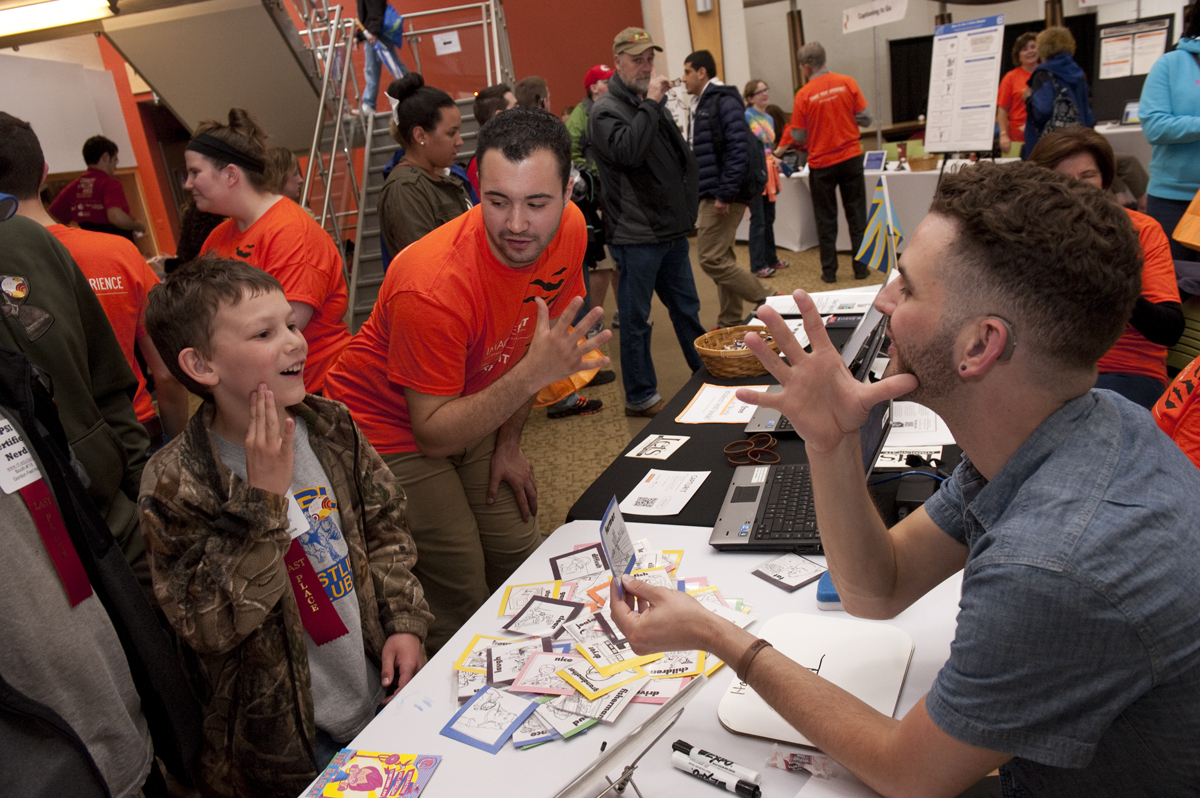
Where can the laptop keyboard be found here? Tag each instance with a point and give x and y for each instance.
(788, 513)
(784, 425)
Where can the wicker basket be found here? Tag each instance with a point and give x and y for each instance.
(923, 163)
(723, 362)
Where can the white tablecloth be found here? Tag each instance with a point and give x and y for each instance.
(411, 722)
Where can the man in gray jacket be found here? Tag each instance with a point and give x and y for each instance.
(650, 198)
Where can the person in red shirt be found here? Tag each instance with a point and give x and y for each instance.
(121, 280)
(96, 200)
(1010, 100)
(230, 173)
(827, 113)
(1136, 365)
(471, 322)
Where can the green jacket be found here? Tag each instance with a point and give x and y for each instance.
(216, 547)
(52, 316)
(577, 126)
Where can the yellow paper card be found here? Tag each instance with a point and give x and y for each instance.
(517, 596)
(474, 658)
(588, 680)
(608, 659)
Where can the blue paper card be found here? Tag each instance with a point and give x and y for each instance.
(489, 719)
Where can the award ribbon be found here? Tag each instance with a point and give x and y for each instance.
(57, 541)
(317, 612)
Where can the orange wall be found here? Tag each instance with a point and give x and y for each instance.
(156, 200)
(559, 40)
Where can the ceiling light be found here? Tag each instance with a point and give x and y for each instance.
(52, 14)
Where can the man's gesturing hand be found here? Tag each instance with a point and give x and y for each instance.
(510, 465)
(556, 351)
(268, 452)
(820, 396)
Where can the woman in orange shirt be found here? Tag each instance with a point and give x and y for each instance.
(1010, 101)
(1136, 365)
(231, 173)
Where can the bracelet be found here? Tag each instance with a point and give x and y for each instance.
(747, 658)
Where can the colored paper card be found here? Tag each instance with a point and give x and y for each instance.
(585, 628)
(566, 723)
(712, 665)
(534, 731)
(543, 616)
(674, 558)
(610, 630)
(587, 680)
(565, 591)
(382, 775)
(618, 548)
(659, 691)
(675, 664)
(709, 595)
(585, 583)
(655, 576)
(599, 593)
(506, 661)
(581, 562)
(579, 546)
(607, 707)
(790, 572)
(540, 674)
(489, 719)
(692, 583)
(474, 658)
(468, 684)
(517, 596)
(609, 658)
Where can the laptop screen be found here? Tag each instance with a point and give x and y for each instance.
(860, 351)
(873, 434)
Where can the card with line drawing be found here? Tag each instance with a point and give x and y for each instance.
(618, 548)
(543, 616)
(655, 576)
(534, 731)
(489, 719)
(675, 664)
(581, 562)
(587, 680)
(607, 707)
(585, 628)
(504, 662)
(474, 658)
(540, 674)
(567, 724)
(468, 684)
(517, 596)
(790, 572)
(609, 658)
(660, 691)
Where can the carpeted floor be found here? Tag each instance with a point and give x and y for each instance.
(568, 454)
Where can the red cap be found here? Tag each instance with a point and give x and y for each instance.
(597, 73)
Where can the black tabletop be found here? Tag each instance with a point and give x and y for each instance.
(703, 452)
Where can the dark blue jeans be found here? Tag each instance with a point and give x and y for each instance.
(647, 269)
(1137, 388)
(1168, 212)
(762, 233)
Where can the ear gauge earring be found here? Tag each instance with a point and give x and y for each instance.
(963, 367)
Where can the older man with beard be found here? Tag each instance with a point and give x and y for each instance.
(650, 200)
(1075, 667)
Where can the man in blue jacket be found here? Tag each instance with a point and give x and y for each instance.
(717, 133)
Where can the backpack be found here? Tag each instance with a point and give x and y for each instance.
(1065, 112)
(755, 179)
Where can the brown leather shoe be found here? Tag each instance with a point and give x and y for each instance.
(647, 412)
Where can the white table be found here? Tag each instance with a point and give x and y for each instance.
(411, 722)
(796, 227)
(1128, 139)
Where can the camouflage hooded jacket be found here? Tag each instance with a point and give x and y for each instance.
(216, 547)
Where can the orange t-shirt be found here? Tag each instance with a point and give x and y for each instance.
(286, 243)
(1178, 413)
(451, 319)
(1132, 353)
(121, 280)
(1011, 97)
(825, 110)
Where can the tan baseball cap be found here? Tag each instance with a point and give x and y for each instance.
(634, 41)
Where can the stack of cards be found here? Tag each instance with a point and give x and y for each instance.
(558, 665)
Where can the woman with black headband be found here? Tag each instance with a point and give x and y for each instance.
(230, 173)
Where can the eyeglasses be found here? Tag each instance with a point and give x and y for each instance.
(763, 90)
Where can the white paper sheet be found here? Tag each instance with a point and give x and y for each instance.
(827, 302)
(663, 492)
(718, 404)
(795, 325)
(658, 447)
(915, 426)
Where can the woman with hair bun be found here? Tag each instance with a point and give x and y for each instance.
(419, 195)
(231, 173)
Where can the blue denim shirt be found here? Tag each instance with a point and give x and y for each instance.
(1078, 642)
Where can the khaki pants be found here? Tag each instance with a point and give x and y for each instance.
(714, 244)
(466, 548)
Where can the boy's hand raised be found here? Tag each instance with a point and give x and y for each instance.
(820, 396)
(268, 449)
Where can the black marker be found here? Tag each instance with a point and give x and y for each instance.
(681, 761)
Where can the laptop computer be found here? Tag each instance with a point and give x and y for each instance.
(859, 354)
(771, 508)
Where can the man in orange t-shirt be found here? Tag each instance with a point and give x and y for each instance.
(827, 113)
(472, 321)
(286, 243)
(121, 280)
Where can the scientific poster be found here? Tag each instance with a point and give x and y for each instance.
(963, 80)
